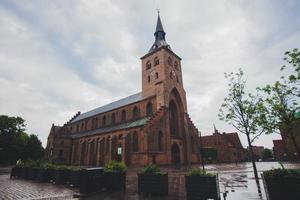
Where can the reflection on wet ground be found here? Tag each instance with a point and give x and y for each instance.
(237, 180)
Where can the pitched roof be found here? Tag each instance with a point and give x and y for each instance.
(111, 106)
(126, 125)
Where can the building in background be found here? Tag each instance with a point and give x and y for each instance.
(257, 152)
(152, 126)
(223, 147)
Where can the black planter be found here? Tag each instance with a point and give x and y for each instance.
(282, 188)
(44, 175)
(154, 184)
(24, 171)
(200, 187)
(60, 176)
(91, 180)
(74, 178)
(115, 180)
(32, 173)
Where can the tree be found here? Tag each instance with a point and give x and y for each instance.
(281, 101)
(240, 110)
(14, 141)
(267, 154)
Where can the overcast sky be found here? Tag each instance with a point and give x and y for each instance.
(58, 57)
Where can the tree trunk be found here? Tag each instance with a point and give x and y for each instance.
(252, 157)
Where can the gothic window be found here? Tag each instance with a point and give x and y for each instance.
(171, 76)
(149, 108)
(113, 118)
(82, 125)
(123, 115)
(160, 141)
(96, 122)
(148, 65)
(71, 128)
(135, 142)
(135, 113)
(83, 152)
(176, 65)
(156, 61)
(60, 154)
(62, 143)
(169, 61)
(107, 145)
(77, 128)
(173, 114)
(104, 120)
(156, 75)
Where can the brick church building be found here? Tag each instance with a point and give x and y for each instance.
(152, 126)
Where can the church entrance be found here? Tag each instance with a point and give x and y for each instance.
(175, 152)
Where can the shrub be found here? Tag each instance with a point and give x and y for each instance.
(115, 166)
(152, 169)
(200, 172)
(282, 173)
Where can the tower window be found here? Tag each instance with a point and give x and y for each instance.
(173, 115)
(156, 61)
(123, 115)
(148, 79)
(176, 65)
(156, 75)
(169, 61)
(148, 65)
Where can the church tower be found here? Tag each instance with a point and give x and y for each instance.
(161, 71)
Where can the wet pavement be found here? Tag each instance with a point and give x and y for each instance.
(236, 182)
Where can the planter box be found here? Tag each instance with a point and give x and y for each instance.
(32, 173)
(44, 175)
(115, 180)
(282, 188)
(75, 178)
(24, 172)
(15, 172)
(60, 176)
(154, 184)
(199, 187)
(91, 180)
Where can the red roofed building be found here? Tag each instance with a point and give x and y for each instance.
(228, 146)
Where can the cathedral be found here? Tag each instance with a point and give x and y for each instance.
(152, 126)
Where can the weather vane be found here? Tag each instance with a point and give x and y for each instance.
(157, 10)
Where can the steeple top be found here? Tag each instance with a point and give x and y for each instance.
(159, 35)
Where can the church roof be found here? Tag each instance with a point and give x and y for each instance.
(111, 106)
(131, 124)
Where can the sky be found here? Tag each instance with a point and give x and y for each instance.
(58, 57)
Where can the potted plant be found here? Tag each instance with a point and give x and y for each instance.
(115, 175)
(282, 183)
(152, 181)
(201, 185)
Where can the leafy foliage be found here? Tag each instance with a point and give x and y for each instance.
(115, 166)
(15, 143)
(282, 173)
(200, 172)
(152, 169)
(267, 154)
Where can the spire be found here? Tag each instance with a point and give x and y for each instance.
(159, 36)
(215, 129)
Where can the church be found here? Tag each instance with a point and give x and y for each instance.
(152, 126)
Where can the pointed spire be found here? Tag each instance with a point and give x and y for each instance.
(215, 129)
(159, 26)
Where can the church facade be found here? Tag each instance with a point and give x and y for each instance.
(152, 126)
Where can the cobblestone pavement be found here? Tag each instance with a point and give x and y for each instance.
(24, 189)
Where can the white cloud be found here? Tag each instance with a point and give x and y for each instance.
(58, 57)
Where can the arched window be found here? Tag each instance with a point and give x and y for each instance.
(96, 122)
(83, 153)
(113, 118)
(82, 126)
(160, 141)
(169, 61)
(173, 114)
(156, 75)
(135, 113)
(149, 108)
(176, 65)
(104, 121)
(135, 142)
(77, 128)
(62, 143)
(148, 65)
(148, 79)
(107, 145)
(156, 61)
(123, 115)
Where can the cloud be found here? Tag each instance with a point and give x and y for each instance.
(58, 57)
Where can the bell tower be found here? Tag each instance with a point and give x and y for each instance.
(161, 70)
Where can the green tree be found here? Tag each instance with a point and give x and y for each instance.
(240, 110)
(267, 154)
(281, 101)
(15, 143)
